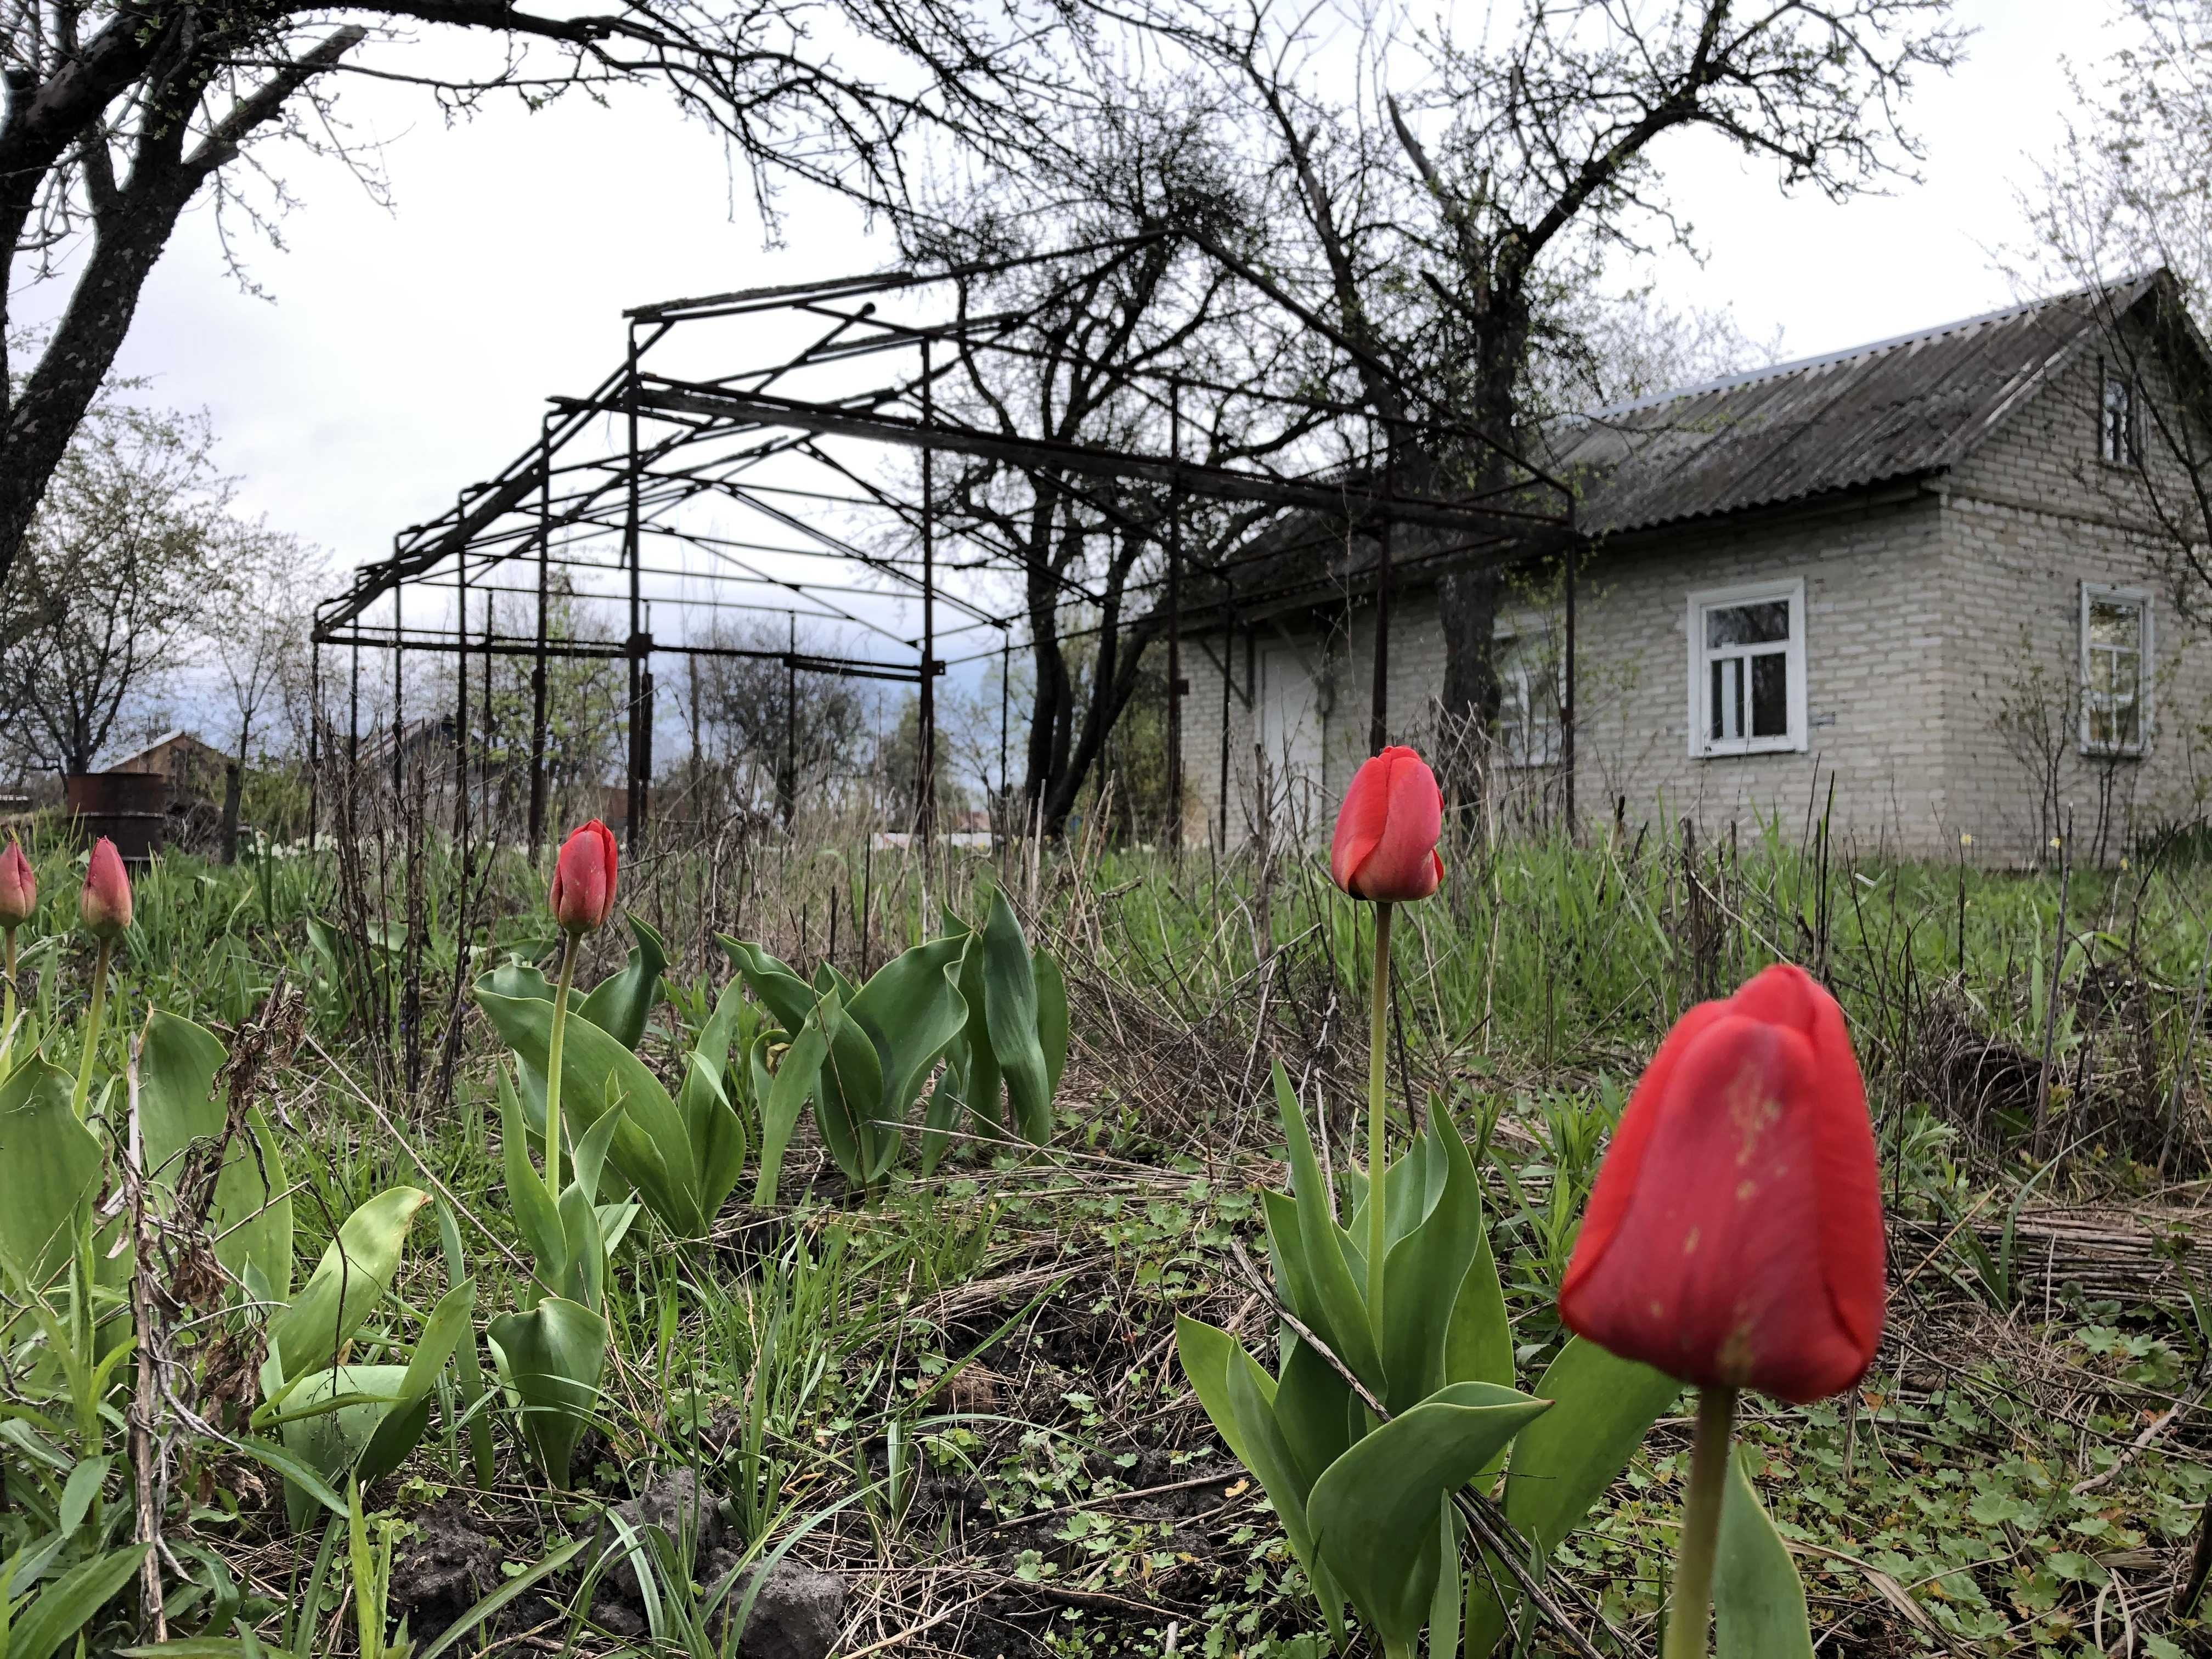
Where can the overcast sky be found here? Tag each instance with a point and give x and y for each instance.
(401, 354)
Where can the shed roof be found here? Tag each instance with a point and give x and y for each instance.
(1890, 410)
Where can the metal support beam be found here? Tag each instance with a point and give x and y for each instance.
(537, 687)
(924, 808)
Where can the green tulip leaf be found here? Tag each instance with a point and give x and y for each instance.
(940, 1116)
(797, 1075)
(451, 1323)
(718, 1134)
(986, 1083)
(1011, 1011)
(1425, 1271)
(50, 1171)
(351, 1278)
(551, 1357)
(1316, 1412)
(621, 1005)
(177, 1065)
(1478, 1344)
(1759, 1601)
(1601, 1408)
(651, 1148)
(915, 1000)
(537, 1218)
(1052, 1018)
(252, 1215)
(1337, 1312)
(1374, 1512)
(332, 1416)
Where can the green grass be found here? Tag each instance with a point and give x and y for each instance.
(889, 1386)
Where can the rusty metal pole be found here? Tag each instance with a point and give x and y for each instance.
(1567, 694)
(314, 731)
(399, 696)
(461, 695)
(1378, 718)
(538, 734)
(1228, 674)
(633, 803)
(353, 711)
(1175, 687)
(791, 714)
(925, 816)
(1005, 705)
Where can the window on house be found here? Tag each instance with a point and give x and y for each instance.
(1747, 668)
(1530, 693)
(2116, 661)
(2116, 422)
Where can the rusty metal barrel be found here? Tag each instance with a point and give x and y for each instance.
(131, 809)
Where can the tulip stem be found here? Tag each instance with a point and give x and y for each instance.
(92, 1019)
(1378, 1055)
(1701, 1525)
(8, 1003)
(553, 1064)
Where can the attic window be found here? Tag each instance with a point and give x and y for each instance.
(2117, 436)
(2116, 657)
(1747, 668)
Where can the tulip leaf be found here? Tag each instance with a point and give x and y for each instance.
(1375, 1511)
(50, 1168)
(651, 1147)
(718, 1134)
(1601, 1408)
(450, 1324)
(251, 1218)
(1316, 1412)
(1478, 1344)
(1425, 1271)
(1240, 1400)
(1759, 1601)
(914, 1000)
(537, 1218)
(1009, 1010)
(356, 1270)
(986, 1083)
(176, 1067)
(941, 1115)
(797, 1076)
(551, 1357)
(1339, 1311)
(335, 1413)
(621, 1005)
(849, 1095)
(1052, 1018)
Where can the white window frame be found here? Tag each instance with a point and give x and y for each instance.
(1791, 588)
(2146, 661)
(1509, 630)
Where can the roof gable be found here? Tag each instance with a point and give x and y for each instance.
(1893, 409)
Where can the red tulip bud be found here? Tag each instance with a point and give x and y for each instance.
(583, 894)
(18, 887)
(105, 903)
(1734, 1236)
(1386, 830)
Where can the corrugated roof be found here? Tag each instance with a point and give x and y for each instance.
(1893, 409)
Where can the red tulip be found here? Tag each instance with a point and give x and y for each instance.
(583, 894)
(18, 887)
(1734, 1236)
(105, 903)
(1386, 830)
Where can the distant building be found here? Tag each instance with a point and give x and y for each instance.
(1937, 573)
(194, 766)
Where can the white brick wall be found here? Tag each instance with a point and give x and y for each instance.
(1925, 610)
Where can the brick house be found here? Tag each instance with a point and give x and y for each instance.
(1940, 575)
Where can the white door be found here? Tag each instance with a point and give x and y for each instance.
(1291, 733)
